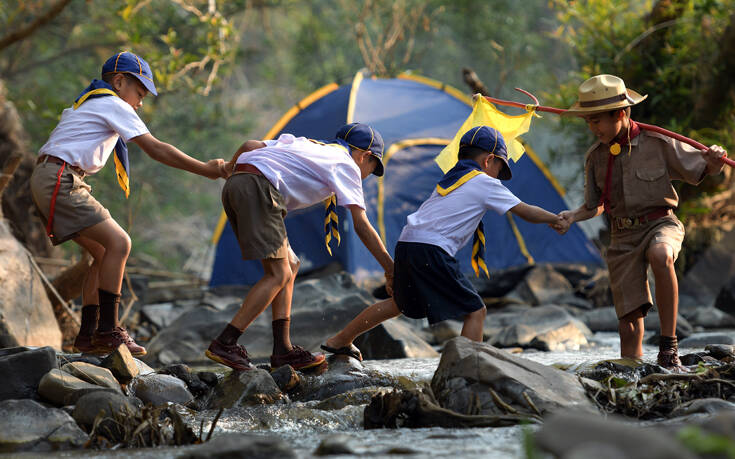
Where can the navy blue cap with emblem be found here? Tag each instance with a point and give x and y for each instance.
(490, 140)
(127, 62)
(363, 137)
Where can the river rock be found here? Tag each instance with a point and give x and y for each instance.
(335, 444)
(565, 432)
(195, 385)
(92, 374)
(501, 282)
(240, 446)
(542, 285)
(702, 405)
(89, 406)
(26, 425)
(393, 339)
(444, 331)
(710, 317)
(61, 388)
(359, 396)
(468, 370)
(22, 369)
(27, 317)
(699, 340)
(720, 351)
(545, 327)
(245, 388)
(321, 307)
(286, 378)
(161, 389)
(601, 319)
(122, 364)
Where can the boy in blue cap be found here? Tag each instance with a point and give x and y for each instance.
(271, 178)
(101, 120)
(428, 282)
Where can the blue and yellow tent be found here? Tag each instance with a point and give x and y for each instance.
(417, 118)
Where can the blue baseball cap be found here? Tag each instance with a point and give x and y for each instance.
(490, 140)
(363, 137)
(127, 62)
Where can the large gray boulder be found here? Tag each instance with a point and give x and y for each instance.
(578, 435)
(61, 388)
(26, 315)
(92, 374)
(320, 308)
(91, 405)
(22, 370)
(543, 285)
(393, 339)
(159, 389)
(547, 328)
(26, 425)
(252, 387)
(469, 372)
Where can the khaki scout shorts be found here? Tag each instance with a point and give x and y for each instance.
(255, 210)
(75, 209)
(628, 264)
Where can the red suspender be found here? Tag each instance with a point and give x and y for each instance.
(50, 223)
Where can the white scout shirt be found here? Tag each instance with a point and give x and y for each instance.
(450, 221)
(86, 136)
(306, 172)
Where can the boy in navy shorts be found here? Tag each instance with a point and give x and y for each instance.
(101, 120)
(428, 282)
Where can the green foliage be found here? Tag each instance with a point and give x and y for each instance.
(701, 442)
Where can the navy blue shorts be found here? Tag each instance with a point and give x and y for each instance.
(428, 283)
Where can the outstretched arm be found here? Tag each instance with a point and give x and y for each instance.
(171, 156)
(579, 214)
(534, 214)
(373, 243)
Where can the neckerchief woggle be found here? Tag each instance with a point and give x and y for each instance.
(463, 171)
(99, 88)
(331, 220)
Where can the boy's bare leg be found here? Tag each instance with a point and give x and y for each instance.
(474, 323)
(661, 258)
(281, 311)
(116, 243)
(276, 277)
(367, 319)
(90, 295)
(630, 328)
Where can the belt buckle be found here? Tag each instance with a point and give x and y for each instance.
(627, 223)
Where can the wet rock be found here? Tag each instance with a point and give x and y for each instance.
(334, 445)
(63, 358)
(344, 374)
(92, 374)
(563, 433)
(26, 425)
(195, 385)
(209, 378)
(22, 369)
(710, 317)
(89, 406)
(61, 388)
(720, 351)
(160, 389)
(241, 446)
(321, 307)
(286, 378)
(122, 364)
(703, 405)
(545, 327)
(543, 285)
(393, 339)
(700, 340)
(624, 368)
(695, 358)
(445, 330)
(245, 388)
(27, 317)
(468, 371)
(359, 396)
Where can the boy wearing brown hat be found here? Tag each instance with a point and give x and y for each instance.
(628, 174)
(99, 123)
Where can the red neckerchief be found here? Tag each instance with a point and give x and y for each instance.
(621, 139)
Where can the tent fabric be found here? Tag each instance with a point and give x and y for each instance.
(417, 118)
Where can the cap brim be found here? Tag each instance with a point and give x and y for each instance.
(148, 84)
(379, 168)
(578, 110)
(505, 173)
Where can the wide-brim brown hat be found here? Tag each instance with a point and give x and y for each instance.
(603, 93)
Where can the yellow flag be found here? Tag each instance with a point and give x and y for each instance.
(485, 114)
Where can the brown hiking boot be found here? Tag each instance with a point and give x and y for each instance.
(298, 357)
(108, 341)
(83, 344)
(668, 354)
(234, 356)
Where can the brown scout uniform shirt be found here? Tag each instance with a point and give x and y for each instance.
(641, 180)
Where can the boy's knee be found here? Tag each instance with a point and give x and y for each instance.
(281, 276)
(661, 256)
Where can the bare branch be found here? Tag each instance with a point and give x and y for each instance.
(23, 32)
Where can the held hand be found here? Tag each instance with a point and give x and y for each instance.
(389, 283)
(563, 223)
(713, 157)
(215, 168)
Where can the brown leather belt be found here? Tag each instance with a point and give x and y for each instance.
(249, 168)
(59, 161)
(626, 223)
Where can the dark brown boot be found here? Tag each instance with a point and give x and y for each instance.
(232, 355)
(668, 354)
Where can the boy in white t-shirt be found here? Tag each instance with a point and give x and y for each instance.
(271, 178)
(428, 282)
(101, 120)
